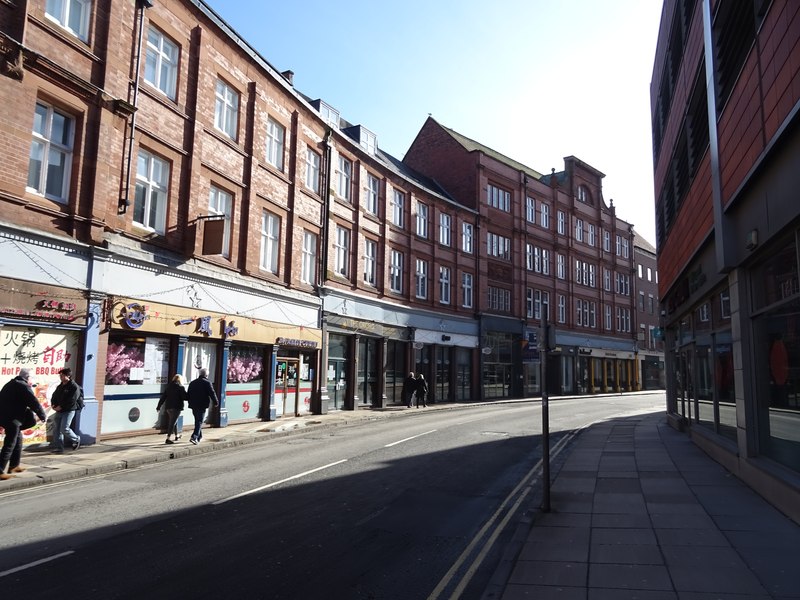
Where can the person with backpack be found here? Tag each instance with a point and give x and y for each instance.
(66, 401)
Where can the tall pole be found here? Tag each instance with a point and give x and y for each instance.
(545, 416)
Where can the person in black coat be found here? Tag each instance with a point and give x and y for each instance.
(201, 395)
(16, 398)
(172, 400)
(65, 401)
(422, 390)
(409, 387)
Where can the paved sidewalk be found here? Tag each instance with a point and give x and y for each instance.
(639, 512)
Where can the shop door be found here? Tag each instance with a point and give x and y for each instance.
(199, 355)
(337, 384)
(286, 388)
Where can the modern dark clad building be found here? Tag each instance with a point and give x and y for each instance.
(726, 139)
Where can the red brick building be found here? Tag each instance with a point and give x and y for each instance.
(170, 202)
(549, 246)
(727, 226)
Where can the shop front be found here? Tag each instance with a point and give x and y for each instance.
(583, 364)
(501, 357)
(42, 329)
(260, 369)
(366, 363)
(445, 360)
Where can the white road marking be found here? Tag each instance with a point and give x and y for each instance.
(274, 483)
(413, 437)
(36, 563)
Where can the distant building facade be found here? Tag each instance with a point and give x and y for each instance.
(728, 219)
(649, 338)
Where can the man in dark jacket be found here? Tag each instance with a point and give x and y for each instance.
(201, 393)
(65, 401)
(409, 387)
(16, 398)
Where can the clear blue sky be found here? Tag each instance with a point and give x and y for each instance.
(537, 80)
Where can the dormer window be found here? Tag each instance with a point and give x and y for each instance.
(329, 114)
(583, 194)
(368, 141)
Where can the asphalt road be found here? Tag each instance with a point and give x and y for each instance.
(417, 507)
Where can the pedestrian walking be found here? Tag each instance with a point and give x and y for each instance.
(422, 390)
(18, 404)
(201, 394)
(409, 387)
(172, 399)
(65, 401)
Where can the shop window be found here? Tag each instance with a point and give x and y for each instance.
(137, 361)
(777, 354)
(245, 364)
(245, 373)
(137, 369)
(776, 278)
(395, 371)
(724, 384)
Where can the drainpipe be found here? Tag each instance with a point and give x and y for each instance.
(325, 186)
(125, 201)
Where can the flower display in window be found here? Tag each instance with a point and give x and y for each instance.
(119, 362)
(244, 366)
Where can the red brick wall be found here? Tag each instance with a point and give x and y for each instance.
(435, 153)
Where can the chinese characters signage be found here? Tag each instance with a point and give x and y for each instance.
(44, 352)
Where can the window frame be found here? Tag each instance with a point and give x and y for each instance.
(63, 19)
(313, 164)
(370, 262)
(398, 208)
(498, 197)
(308, 268)
(163, 62)
(445, 229)
(215, 194)
(276, 140)
(444, 284)
(396, 271)
(226, 109)
(544, 215)
(341, 245)
(530, 209)
(344, 179)
(561, 266)
(467, 238)
(372, 193)
(163, 189)
(44, 141)
(421, 279)
(270, 242)
(467, 290)
(422, 220)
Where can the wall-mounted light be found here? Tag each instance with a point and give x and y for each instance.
(751, 241)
